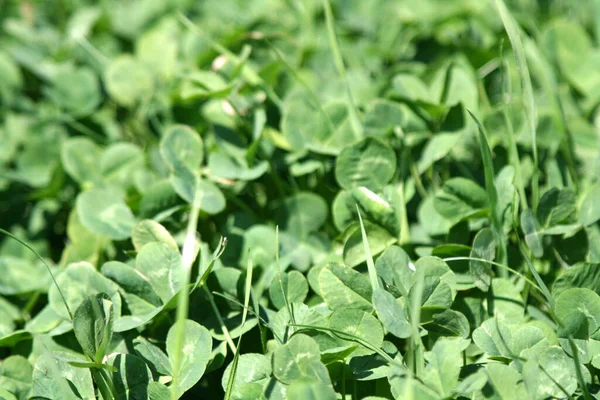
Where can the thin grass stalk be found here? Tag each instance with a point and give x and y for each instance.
(62, 296)
(339, 64)
(527, 89)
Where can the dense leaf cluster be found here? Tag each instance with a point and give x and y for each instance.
(275, 199)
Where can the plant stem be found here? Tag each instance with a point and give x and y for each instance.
(187, 255)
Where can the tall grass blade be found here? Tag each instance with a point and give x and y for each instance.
(582, 384)
(513, 152)
(490, 185)
(527, 89)
(544, 289)
(339, 64)
(236, 357)
(369, 255)
(283, 290)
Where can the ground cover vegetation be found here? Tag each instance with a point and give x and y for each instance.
(314, 199)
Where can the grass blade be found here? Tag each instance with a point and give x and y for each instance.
(582, 384)
(492, 193)
(283, 291)
(370, 263)
(236, 357)
(527, 89)
(339, 64)
(513, 152)
(62, 296)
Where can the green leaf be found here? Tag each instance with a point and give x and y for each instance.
(377, 209)
(128, 81)
(130, 377)
(557, 206)
(589, 212)
(328, 132)
(359, 324)
(197, 347)
(92, 324)
(564, 40)
(444, 365)
(77, 91)
(204, 84)
(158, 47)
(403, 386)
(119, 162)
(148, 231)
(507, 301)
(162, 266)
(582, 275)
(78, 281)
(354, 250)
(223, 166)
(299, 358)
(152, 355)
(449, 323)
(506, 381)
(437, 148)
(56, 379)
(294, 287)
(138, 291)
(310, 389)
(5, 394)
(302, 214)
(494, 337)
(341, 287)
(16, 376)
(439, 282)
(391, 314)
(551, 375)
(251, 368)
(158, 391)
(20, 276)
(181, 146)
(460, 198)
(208, 197)
(370, 163)
(384, 116)
(484, 247)
(531, 229)
(79, 157)
(394, 267)
(578, 310)
(102, 211)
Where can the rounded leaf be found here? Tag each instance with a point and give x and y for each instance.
(182, 146)
(370, 163)
(128, 81)
(196, 351)
(102, 211)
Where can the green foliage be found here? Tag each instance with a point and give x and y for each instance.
(317, 199)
